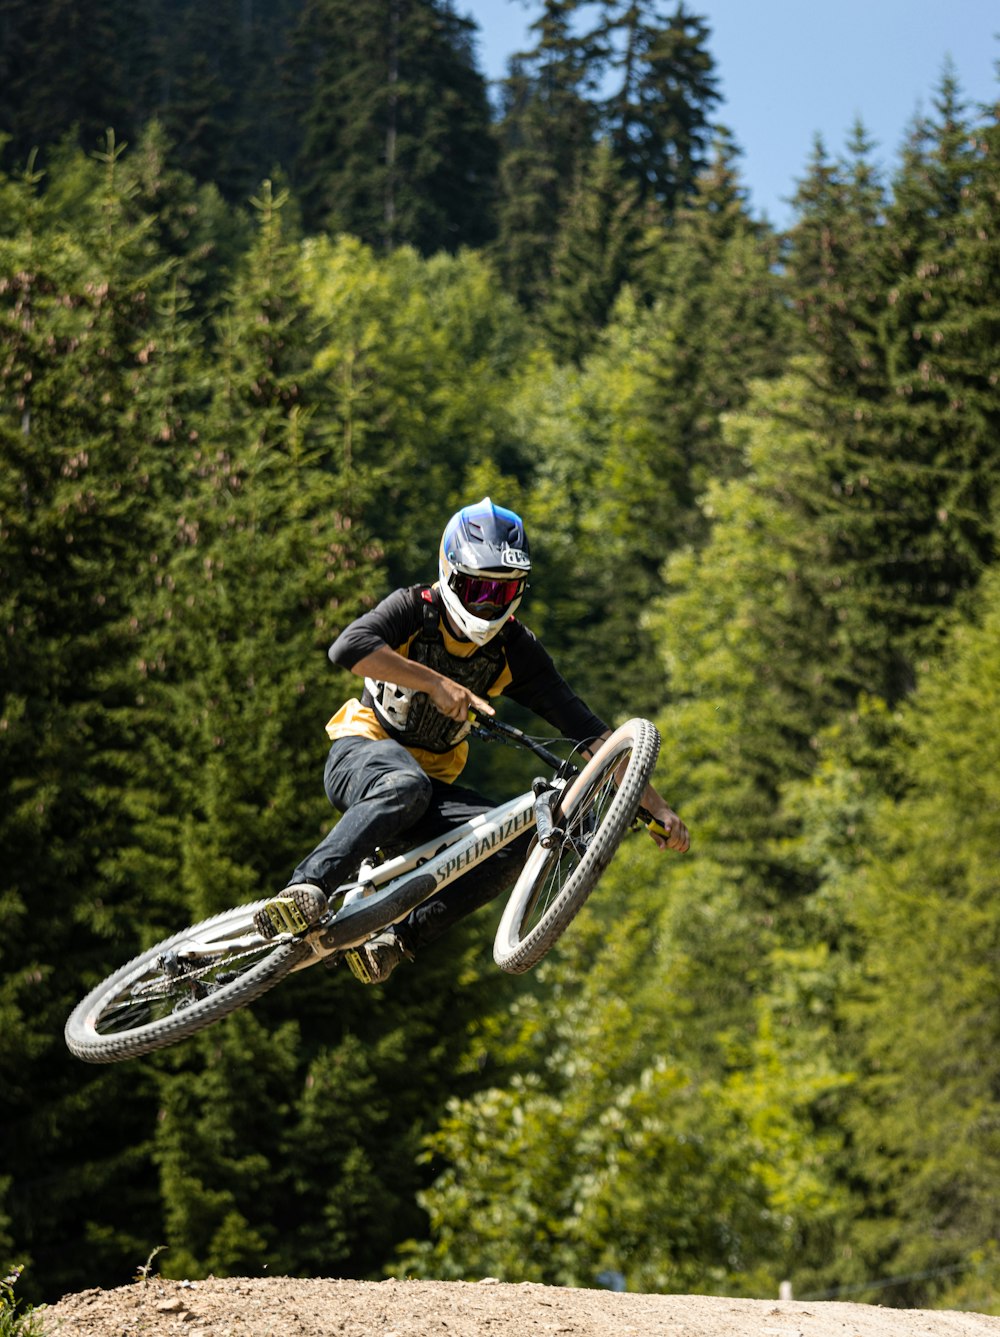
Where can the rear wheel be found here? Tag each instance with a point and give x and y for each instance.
(180, 986)
(592, 817)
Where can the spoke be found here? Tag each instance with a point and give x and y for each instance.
(577, 838)
(175, 982)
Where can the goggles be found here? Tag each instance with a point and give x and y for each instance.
(487, 596)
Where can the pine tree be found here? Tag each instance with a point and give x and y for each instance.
(835, 266)
(63, 70)
(272, 556)
(257, 570)
(599, 247)
(396, 148)
(655, 124)
(909, 526)
(194, 227)
(718, 321)
(838, 275)
(922, 1011)
(638, 433)
(658, 116)
(417, 360)
(546, 130)
(940, 249)
(583, 1157)
(216, 86)
(211, 75)
(83, 465)
(258, 567)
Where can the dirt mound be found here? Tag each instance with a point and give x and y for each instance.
(283, 1307)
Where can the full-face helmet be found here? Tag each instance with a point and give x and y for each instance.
(483, 566)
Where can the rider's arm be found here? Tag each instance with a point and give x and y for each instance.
(367, 647)
(677, 836)
(538, 684)
(451, 698)
(394, 622)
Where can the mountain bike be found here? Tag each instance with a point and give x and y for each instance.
(576, 818)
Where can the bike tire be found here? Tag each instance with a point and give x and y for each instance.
(593, 815)
(114, 1021)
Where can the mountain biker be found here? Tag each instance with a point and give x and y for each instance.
(427, 655)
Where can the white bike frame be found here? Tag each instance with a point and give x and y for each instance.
(444, 859)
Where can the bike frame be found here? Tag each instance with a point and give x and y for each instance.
(437, 863)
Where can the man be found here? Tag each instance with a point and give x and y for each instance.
(427, 655)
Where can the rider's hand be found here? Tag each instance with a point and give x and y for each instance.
(677, 835)
(455, 701)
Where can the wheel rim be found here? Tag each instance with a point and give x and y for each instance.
(189, 971)
(580, 825)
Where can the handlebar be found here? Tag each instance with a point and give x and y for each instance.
(650, 823)
(488, 724)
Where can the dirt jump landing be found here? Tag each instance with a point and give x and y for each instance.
(284, 1307)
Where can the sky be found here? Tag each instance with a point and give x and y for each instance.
(789, 70)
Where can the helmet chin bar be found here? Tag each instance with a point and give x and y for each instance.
(475, 629)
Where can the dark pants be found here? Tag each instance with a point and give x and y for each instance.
(384, 796)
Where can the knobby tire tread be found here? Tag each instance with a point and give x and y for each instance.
(516, 954)
(85, 1043)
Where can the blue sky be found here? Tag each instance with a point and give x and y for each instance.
(791, 69)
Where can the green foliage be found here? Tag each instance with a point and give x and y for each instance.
(211, 76)
(604, 130)
(81, 474)
(396, 147)
(416, 362)
(976, 1286)
(549, 1193)
(598, 248)
(601, 514)
(16, 1321)
(924, 1007)
(256, 566)
(610, 1150)
(908, 441)
(734, 632)
(718, 324)
(546, 129)
(662, 95)
(761, 498)
(629, 441)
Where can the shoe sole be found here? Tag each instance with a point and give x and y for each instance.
(293, 912)
(360, 965)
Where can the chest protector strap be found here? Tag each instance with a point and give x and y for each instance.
(410, 717)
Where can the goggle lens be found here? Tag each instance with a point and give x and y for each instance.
(484, 594)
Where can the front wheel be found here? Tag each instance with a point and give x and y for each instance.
(180, 986)
(592, 816)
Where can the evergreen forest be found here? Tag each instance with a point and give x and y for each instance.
(283, 283)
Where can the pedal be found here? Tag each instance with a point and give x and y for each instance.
(283, 916)
(292, 912)
(357, 965)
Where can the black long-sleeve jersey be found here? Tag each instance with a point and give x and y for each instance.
(514, 663)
